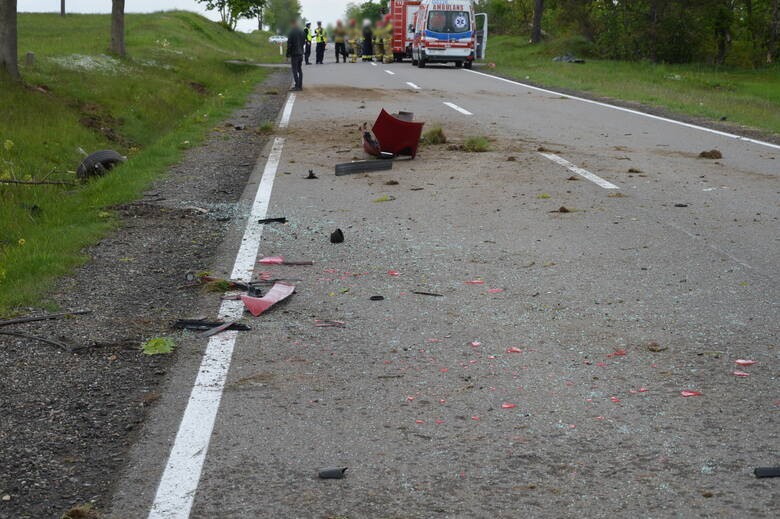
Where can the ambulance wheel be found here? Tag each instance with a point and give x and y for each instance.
(421, 63)
(468, 64)
(414, 62)
(458, 64)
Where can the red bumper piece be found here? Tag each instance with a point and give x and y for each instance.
(258, 305)
(397, 136)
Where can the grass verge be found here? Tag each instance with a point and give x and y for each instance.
(173, 87)
(746, 97)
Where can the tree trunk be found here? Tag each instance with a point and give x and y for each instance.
(773, 52)
(9, 56)
(62, 7)
(118, 27)
(536, 29)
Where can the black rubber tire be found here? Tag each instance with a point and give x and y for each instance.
(415, 62)
(421, 63)
(458, 64)
(468, 65)
(98, 164)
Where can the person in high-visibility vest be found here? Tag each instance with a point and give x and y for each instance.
(368, 41)
(379, 41)
(320, 39)
(389, 54)
(340, 39)
(354, 40)
(307, 34)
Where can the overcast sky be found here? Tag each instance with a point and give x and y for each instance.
(325, 10)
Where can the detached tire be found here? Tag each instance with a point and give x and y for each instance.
(98, 164)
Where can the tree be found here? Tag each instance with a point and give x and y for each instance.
(231, 11)
(279, 13)
(118, 28)
(366, 10)
(536, 28)
(773, 51)
(8, 50)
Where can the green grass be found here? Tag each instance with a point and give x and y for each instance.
(477, 144)
(743, 96)
(162, 99)
(434, 136)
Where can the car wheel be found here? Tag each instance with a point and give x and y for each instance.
(458, 64)
(468, 64)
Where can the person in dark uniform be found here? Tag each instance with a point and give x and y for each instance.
(295, 44)
(368, 41)
(340, 38)
(307, 34)
(321, 39)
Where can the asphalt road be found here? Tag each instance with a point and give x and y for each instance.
(552, 386)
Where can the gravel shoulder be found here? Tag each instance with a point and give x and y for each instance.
(69, 417)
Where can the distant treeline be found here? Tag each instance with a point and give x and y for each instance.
(737, 32)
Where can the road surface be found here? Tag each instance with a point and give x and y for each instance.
(547, 380)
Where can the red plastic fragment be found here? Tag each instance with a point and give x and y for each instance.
(615, 399)
(507, 405)
(738, 373)
(444, 370)
(495, 290)
(476, 344)
(619, 353)
(475, 418)
(475, 282)
(271, 260)
(643, 390)
(419, 421)
(393, 273)
(744, 363)
(687, 393)
(514, 350)
(258, 305)
(439, 422)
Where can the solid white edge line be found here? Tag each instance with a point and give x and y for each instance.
(413, 85)
(287, 113)
(373, 64)
(634, 112)
(457, 108)
(390, 72)
(584, 173)
(179, 482)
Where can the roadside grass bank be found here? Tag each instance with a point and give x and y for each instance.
(173, 87)
(742, 96)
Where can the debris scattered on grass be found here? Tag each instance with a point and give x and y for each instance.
(333, 473)
(687, 393)
(337, 236)
(158, 346)
(711, 154)
(434, 136)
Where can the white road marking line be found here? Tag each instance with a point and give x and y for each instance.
(285, 121)
(458, 108)
(179, 482)
(712, 247)
(373, 64)
(578, 170)
(635, 112)
(390, 72)
(413, 85)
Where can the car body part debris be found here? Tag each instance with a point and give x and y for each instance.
(258, 305)
(767, 472)
(363, 166)
(311, 175)
(58, 344)
(273, 220)
(337, 236)
(329, 323)
(278, 260)
(426, 294)
(217, 329)
(398, 135)
(31, 319)
(200, 325)
(687, 393)
(377, 298)
(333, 473)
(98, 164)
(744, 362)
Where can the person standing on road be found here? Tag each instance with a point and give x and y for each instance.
(307, 45)
(340, 38)
(368, 41)
(320, 39)
(295, 45)
(354, 40)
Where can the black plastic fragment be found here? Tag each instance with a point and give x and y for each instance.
(337, 236)
(273, 220)
(377, 298)
(311, 175)
(363, 166)
(767, 472)
(333, 473)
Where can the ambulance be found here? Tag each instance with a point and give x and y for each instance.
(445, 31)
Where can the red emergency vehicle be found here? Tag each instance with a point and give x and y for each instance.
(402, 13)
